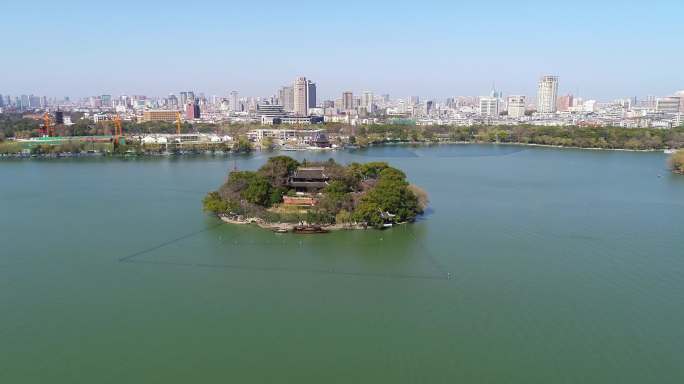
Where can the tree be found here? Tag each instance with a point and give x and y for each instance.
(677, 162)
(258, 192)
(343, 217)
(242, 144)
(278, 169)
(214, 204)
(267, 143)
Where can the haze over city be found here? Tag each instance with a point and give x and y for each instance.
(601, 50)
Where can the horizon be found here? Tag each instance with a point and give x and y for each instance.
(434, 51)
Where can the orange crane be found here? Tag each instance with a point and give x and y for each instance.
(118, 128)
(178, 124)
(47, 125)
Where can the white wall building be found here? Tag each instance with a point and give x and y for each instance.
(301, 101)
(516, 105)
(489, 106)
(668, 104)
(547, 94)
(234, 102)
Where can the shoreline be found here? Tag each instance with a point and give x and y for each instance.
(68, 155)
(289, 227)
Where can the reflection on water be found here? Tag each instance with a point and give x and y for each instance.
(439, 150)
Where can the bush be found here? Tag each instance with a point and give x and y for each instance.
(677, 162)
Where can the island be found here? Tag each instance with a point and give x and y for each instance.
(677, 162)
(285, 195)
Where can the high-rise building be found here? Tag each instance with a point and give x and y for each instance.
(367, 101)
(234, 102)
(311, 94)
(192, 110)
(489, 106)
(106, 100)
(515, 105)
(429, 106)
(547, 94)
(2, 101)
(679, 94)
(172, 101)
(34, 101)
(668, 104)
(286, 96)
(564, 103)
(347, 101)
(301, 103)
(187, 96)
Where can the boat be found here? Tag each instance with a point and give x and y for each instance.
(280, 230)
(670, 151)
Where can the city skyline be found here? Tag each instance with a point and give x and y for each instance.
(449, 49)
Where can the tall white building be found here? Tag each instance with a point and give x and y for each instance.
(367, 101)
(547, 94)
(233, 102)
(515, 105)
(489, 106)
(301, 103)
(286, 96)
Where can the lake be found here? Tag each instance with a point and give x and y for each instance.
(532, 265)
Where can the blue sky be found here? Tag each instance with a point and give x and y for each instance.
(600, 49)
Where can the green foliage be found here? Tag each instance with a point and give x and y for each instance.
(370, 213)
(336, 187)
(278, 169)
(584, 137)
(242, 145)
(343, 217)
(387, 198)
(213, 203)
(373, 169)
(391, 194)
(248, 186)
(15, 125)
(7, 148)
(677, 162)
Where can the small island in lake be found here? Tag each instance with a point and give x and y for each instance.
(285, 195)
(677, 162)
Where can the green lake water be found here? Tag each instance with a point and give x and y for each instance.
(533, 265)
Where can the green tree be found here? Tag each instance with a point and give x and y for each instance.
(242, 145)
(278, 169)
(677, 162)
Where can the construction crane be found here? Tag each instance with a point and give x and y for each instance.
(118, 129)
(178, 124)
(48, 128)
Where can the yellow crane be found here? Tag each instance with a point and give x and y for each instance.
(118, 129)
(47, 125)
(178, 124)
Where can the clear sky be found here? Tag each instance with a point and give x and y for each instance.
(600, 49)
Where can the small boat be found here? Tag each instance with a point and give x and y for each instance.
(280, 230)
(670, 151)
